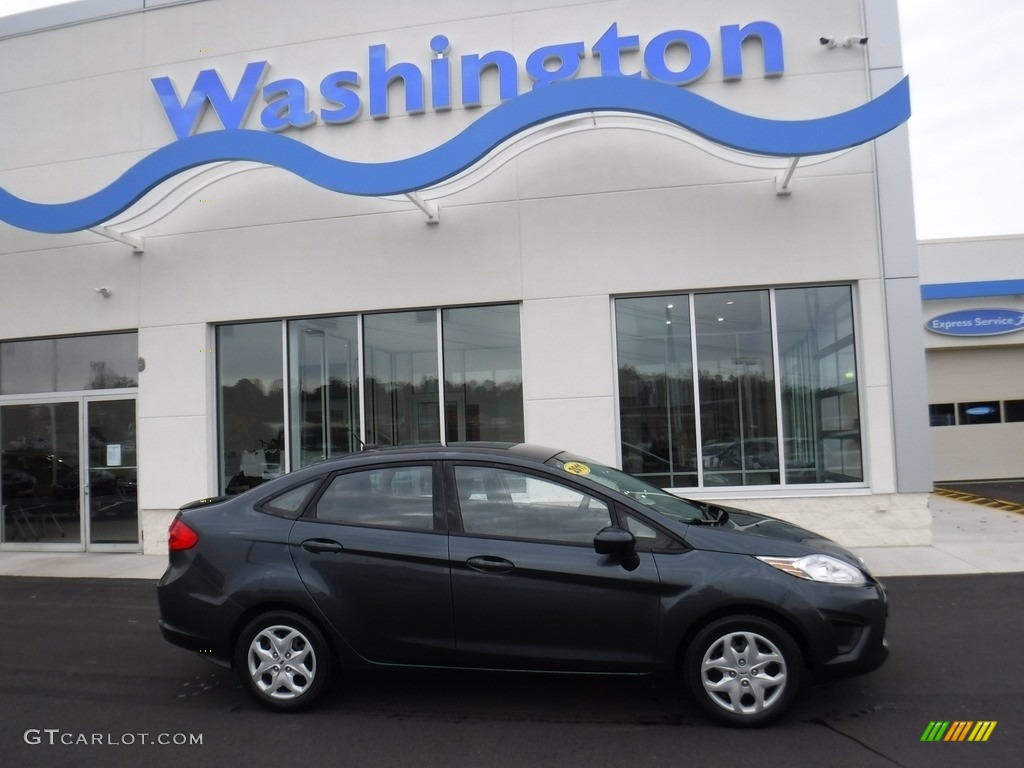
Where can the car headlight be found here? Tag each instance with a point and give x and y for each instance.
(818, 568)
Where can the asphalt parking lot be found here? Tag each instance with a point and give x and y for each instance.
(89, 681)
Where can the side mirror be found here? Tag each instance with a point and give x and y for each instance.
(619, 542)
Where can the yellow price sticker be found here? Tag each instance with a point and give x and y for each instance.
(577, 468)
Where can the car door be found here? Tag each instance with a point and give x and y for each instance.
(372, 551)
(530, 591)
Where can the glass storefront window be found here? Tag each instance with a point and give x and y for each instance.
(401, 378)
(41, 473)
(395, 388)
(70, 363)
(53, 492)
(820, 404)
(323, 365)
(736, 380)
(656, 390)
(483, 374)
(754, 402)
(251, 404)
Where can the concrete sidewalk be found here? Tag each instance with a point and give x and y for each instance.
(967, 538)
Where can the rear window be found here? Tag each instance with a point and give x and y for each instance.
(291, 502)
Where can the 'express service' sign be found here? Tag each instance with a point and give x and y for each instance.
(977, 322)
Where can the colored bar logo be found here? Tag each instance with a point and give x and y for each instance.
(958, 730)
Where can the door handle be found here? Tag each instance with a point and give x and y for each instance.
(319, 546)
(489, 564)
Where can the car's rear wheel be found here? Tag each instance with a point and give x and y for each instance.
(283, 660)
(743, 670)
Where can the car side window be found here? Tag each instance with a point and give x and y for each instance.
(393, 497)
(507, 503)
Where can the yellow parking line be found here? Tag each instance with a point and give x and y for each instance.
(984, 501)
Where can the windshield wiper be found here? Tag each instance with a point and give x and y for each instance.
(712, 515)
(709, 515)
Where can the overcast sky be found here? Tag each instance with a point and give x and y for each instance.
(966, 72)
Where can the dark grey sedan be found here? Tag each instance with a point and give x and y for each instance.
(513, 558)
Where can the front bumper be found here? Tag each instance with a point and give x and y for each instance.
(844, 627)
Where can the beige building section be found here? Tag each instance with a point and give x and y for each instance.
(975, 369)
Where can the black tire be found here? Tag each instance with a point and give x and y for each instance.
(743, 670)
(305, 668)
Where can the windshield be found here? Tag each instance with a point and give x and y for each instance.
(639, 490)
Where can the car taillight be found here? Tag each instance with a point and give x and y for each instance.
(180, 536)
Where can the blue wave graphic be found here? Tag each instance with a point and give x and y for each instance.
(782, 138)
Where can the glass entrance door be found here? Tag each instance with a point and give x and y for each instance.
(46, 448)
(40, 461)
(112, 469)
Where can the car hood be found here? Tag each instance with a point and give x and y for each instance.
(749, 533)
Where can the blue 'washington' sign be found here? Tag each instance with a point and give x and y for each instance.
(655, 89)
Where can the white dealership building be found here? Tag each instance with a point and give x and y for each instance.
(240, 236)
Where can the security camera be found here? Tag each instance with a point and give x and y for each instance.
(845, 42)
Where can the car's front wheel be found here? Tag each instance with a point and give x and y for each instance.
(283, 661)
(743, 670)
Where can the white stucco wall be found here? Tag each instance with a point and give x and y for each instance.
(561, 229)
